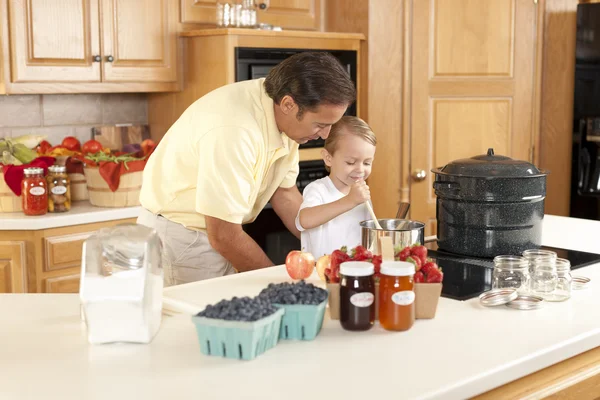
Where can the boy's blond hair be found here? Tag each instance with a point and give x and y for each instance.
(350, 126)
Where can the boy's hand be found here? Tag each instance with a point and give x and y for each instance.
(359, 193)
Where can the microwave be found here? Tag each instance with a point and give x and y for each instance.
(254, 63)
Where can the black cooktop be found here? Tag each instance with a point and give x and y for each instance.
(467, 277)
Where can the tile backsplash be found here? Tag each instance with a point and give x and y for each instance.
(60, 115)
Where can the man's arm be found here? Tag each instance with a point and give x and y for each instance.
(235, 245)
(286, 203)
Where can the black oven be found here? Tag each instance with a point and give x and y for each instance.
(268, 230)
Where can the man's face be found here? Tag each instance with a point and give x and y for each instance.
(311, 125)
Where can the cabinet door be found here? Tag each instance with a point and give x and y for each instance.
(473, 87)
(62, 284)
(13, 258)
(139, 40)
(54, 40)
(290, 14)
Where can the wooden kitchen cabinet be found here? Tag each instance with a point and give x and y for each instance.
(288, 14)
(71, 46)
(47, 260)
(446, 80)
(13, 261)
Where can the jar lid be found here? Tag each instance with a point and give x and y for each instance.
(496, 297)
(526, 302)
(490, 165)
(357, 268)
(33, 171)
(397, 268)
(580, 282)
(57, 168)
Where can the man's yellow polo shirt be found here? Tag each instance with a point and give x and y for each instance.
(224, 157)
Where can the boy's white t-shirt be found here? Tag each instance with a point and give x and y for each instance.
(343, 230)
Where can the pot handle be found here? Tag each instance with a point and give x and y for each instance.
(444, 186)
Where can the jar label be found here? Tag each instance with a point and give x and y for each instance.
(37, 191)
(59, 190)
(404, 298)
(364, 299)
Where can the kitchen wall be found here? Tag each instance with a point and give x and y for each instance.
(63, 115)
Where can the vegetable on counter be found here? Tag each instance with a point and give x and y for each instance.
(92, 146)
(15, 153)
(29, 141)
(71, 143)
(124, 158)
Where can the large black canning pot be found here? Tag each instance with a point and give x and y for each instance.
(489, 205)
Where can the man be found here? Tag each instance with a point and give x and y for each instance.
(231, 152)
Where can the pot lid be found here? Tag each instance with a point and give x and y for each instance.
(491, 165)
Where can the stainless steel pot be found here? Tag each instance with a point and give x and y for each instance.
(403, 232)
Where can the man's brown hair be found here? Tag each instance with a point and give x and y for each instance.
(311, 79)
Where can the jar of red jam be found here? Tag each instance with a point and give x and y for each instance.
(34, 192)
(396, 295)
(357, 295)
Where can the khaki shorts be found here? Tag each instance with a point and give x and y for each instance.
(187, 256)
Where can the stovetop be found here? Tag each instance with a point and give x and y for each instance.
(466, 277)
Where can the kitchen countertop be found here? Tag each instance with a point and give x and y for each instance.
(82, 212)
(466, 350)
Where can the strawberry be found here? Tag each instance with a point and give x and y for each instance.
(435, 276)
(428, 267)
(416, 261)
(419, 278)
(403, 254)
(419, 251)
(338, 257)
(359, 253)
(376, 263)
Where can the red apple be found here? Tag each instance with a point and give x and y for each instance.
(299, 264)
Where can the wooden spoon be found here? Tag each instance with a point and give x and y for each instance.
(375, 220)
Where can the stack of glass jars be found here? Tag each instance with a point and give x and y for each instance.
(550, 276)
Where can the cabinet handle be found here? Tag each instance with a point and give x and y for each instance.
(110, 59)
(262, 6)
(97, 59)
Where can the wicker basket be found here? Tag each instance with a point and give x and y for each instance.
(100, 195)
(9, 202)
(79, 190)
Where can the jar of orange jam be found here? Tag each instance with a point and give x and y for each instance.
(396, 295)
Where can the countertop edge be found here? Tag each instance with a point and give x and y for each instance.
(262, 32)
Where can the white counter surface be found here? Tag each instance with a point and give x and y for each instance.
(466, 350)
(82, 212)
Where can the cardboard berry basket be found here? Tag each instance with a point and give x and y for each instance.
(427, 296)
(242, 340)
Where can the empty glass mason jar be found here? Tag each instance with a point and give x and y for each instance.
(562, 290)
(544, 277)
(511, 272)
(538, 254)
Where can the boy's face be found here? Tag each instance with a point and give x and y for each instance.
(351, 161)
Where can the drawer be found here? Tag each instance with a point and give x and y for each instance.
(63, 251)
(62, 284)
